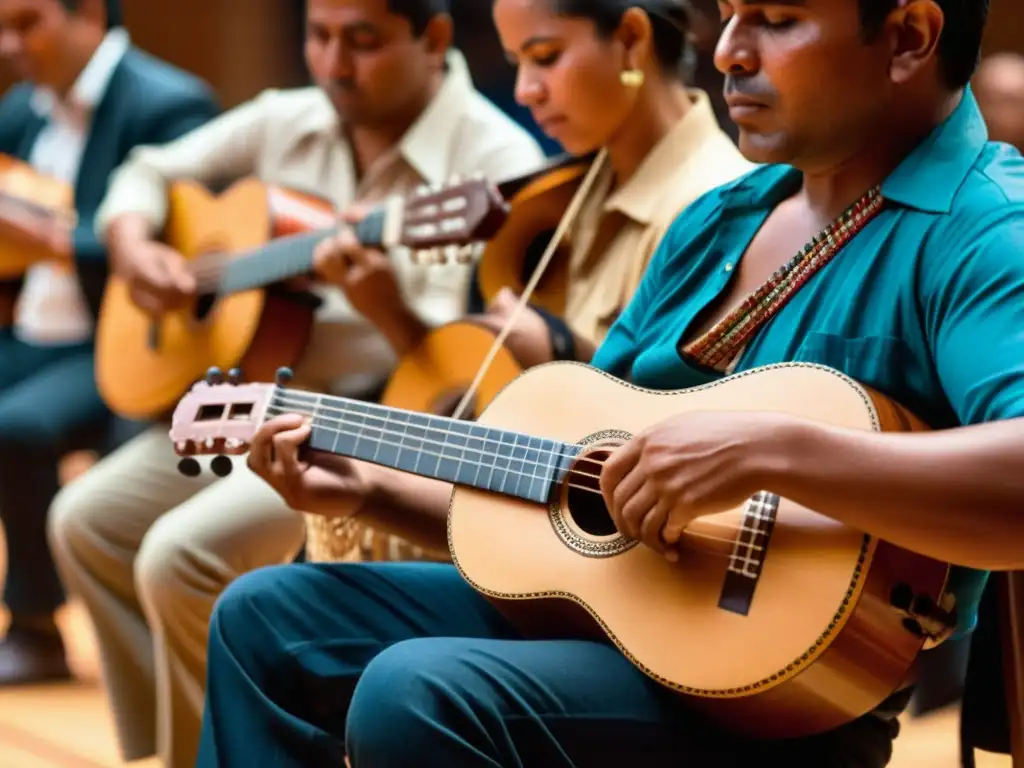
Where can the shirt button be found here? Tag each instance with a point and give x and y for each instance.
(728, 266)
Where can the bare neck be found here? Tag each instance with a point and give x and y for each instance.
(371, 141)
(659, 107)
(830, 190)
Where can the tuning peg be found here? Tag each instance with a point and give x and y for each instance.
(221, 466)
(189, 467)
(214, 375)
(283, 376)
(235, 376)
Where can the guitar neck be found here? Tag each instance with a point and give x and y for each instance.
(290, 256)
(460, 452)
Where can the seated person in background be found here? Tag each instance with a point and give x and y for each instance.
(87, 97)
(860, 111)
(149, 550)
(664, 149)
(999, 85)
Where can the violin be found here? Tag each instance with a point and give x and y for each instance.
(37, 217)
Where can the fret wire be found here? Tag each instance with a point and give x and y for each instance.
(541, 466)
(275, 261)
(450, 426)
(398, 444)
(338, 429)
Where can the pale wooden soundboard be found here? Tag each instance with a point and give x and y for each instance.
(70, 726)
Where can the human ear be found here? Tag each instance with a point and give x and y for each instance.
(916, 27)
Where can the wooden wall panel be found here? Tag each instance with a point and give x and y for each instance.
(238, 46)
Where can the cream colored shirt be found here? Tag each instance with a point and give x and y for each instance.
(51, 308)
(616, 232)
(294, 138)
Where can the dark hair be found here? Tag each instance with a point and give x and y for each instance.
(419, 12)
(670, 25)
(960, 44)
(115, 18)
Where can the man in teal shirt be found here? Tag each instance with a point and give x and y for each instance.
(403, 664)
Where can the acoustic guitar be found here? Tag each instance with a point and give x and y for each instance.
(776, 621)
(433, 377)
(31, 201)
(239, 243)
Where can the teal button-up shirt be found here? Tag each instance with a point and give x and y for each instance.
(925, 305)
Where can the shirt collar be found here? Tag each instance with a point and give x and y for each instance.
(643, 192)
(91, 85)
(425, 146)
(927, 179)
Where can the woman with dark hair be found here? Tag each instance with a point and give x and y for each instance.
(604, 76)
(443, 678)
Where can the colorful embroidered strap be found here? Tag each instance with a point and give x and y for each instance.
(717, 348)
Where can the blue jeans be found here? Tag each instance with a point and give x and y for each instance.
(48, 397)
(404, 664)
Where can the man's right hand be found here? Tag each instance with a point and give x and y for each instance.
(158, 277)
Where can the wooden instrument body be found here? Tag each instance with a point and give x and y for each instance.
(821, 643)
(536, 211)
(434, 376)
(254, 330)
(32, 199)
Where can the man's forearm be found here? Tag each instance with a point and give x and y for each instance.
(402, 328)
(413, 508)
(955, 495)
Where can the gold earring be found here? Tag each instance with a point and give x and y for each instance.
(632, 78)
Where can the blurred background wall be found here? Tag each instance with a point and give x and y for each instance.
(243, 46)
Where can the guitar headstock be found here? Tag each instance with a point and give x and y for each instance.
(453, 221)
(218, 417)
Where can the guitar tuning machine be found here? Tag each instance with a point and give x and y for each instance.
(221, 466)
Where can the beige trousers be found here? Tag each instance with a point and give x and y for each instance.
(149, 551)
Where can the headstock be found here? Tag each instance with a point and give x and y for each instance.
(219, 417)
(451, 222)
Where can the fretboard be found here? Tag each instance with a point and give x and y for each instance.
(460, 452)
(290, 256)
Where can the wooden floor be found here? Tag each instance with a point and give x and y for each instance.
(69, 725)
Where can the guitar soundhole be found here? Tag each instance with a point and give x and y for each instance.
(579, 516)
(589, 512)
(204, 306)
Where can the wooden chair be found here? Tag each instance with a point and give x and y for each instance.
(993, 704)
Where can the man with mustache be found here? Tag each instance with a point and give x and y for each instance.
(881, 237)
(148, 550)
(85, 97)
